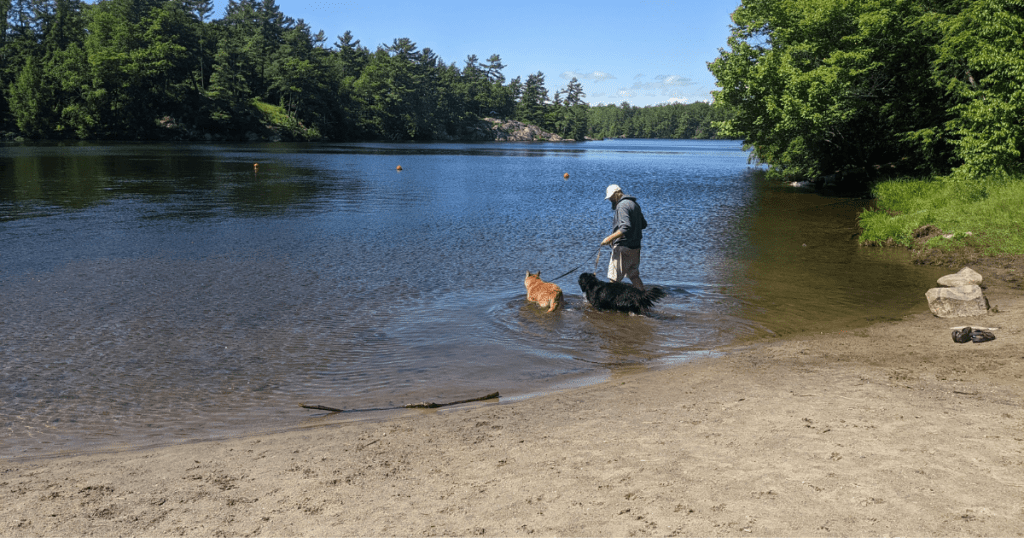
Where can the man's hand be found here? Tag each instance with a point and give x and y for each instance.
(608, 240)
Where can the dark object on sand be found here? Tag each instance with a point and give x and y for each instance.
(618, 296)
(978, 336)
(967, 334)
(961, 336)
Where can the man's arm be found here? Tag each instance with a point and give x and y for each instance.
(621, 224)
(608, 240)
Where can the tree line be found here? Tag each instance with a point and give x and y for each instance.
(695, 120)
(127, 69)
(853, 88)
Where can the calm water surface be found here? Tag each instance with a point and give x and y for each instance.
(159, 293)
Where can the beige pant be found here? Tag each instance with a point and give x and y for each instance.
(625, 262)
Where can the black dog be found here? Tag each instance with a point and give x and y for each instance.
(618, 296)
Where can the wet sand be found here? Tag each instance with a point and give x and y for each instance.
(892, 429)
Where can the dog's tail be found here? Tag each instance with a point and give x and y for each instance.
(654, 294)
(557, 302)
(650, 296)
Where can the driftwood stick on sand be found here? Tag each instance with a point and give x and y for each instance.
(322, 408)
(424, 405)
(432, 405)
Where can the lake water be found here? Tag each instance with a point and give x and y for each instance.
(160, 293)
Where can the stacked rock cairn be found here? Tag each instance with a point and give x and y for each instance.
(959, 297)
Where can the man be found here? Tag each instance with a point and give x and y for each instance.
(627, 232)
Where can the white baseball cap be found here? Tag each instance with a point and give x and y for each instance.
(612, 189)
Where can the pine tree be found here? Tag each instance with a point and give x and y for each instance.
(572, 112)
(532, 107)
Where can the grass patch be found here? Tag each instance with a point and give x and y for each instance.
(276, 119)
(272, 114)
(983, 216)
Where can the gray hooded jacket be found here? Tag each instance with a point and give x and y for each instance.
(630, 220)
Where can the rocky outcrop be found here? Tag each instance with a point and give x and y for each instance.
(489, 129)
(484, 130)
(962, 296)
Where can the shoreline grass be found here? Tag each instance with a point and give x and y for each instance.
(947, 215)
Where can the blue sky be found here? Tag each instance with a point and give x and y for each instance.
(643, 52)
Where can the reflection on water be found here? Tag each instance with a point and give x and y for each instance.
(802, 268)
(154, 293)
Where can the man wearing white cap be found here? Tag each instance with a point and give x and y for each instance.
(627, 232)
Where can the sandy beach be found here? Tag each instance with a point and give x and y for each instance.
(892, 429)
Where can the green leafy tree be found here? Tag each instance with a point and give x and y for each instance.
(202, 11)
(695, 120)
(65, 70)
(450, 112)
(428, 66)
(115, 68)
(229, 87)
(169, 57)
(29, 100)
(386, 90)
(606, 121)
(68, 69)
(982, 67)
(675, 120)
(139, 54)
(46, 95)
(825, 86)
(252, 31)
(346, 64)
(62, 25)
(299, 75)
(19, 40)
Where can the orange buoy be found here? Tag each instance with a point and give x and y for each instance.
(255, 168)
(566, 175)
(399, 168)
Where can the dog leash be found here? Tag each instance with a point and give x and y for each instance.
(598, 252)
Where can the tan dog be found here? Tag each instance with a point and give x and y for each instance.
(543, 293)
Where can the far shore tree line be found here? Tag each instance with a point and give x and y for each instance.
(132, 69)
(859, 89)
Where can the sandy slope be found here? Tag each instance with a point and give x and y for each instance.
(893, 429)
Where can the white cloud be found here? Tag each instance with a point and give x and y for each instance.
(673, 80)
(681, 100)
(637, 89)
(662, 85)
(596, 75)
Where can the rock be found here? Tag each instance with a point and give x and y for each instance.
(511, 131)
(966, 277)
(958, 302)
